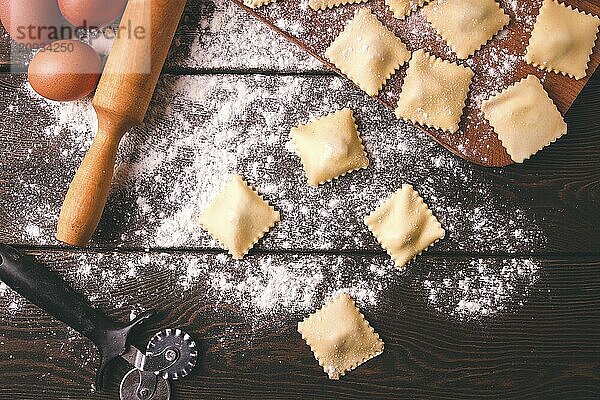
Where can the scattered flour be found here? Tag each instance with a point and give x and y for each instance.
(174, 175)
(272, 289)
(220, 41)
(202, 128)
(522, 11)
(295, 286)
(483, 288)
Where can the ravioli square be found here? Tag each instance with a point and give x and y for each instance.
(525, 118)
(329, 147)
(434, 92)
(257, 3)
(404, 225)
(402, 8)
(238, 217)
(562, 39)
(340, 337)
(325, 4)
(466, 25)
(367, 52)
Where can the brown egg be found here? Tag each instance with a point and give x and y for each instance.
(92, 13)
(65, 70)
(33, 22)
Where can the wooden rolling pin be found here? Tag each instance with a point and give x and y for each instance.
(121, 101)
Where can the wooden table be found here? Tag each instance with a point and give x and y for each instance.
(545, 212)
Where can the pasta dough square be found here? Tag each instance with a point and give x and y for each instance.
(329, 147)
(367, 52)
(404, 225)
(402, 8)
(238, 217)
(340, 337)
(325, 4)
(466, 25)
(562, 39)
(434, 92)
(257, 3)
(525, 118)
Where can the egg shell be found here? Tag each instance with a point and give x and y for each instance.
(43, 16)
(92, 13)
(65, 70)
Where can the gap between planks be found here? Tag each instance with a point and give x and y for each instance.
(16, 69)
(259, 252)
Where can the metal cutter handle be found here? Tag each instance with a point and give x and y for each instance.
(48, 291)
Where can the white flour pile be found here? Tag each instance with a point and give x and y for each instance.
(201, 128)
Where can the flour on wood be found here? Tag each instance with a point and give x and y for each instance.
(225, 37)
(202, 128)
(484, 288)
(228, 36)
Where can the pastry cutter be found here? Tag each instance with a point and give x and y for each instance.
(170, 355)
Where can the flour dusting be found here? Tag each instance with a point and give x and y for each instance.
(225, 124)
(485, 287)
(296, 287)
(202, 128)
(228, 36)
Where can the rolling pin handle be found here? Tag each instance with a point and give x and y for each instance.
(121, 100)
(88, 192)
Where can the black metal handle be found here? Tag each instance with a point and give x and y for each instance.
(48, 291)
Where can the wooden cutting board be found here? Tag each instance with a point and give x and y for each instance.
(497, 65)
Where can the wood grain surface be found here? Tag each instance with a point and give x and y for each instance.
(547, 348)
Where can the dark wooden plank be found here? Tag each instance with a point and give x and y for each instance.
(497, 65)
(212, 35)
(547, 348)
(202, 127)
